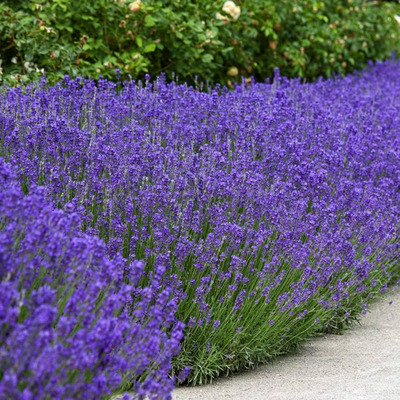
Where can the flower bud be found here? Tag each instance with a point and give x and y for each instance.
(232, 71)
(273, 44)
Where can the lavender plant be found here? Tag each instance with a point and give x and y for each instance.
(271, 211)
(70, 328)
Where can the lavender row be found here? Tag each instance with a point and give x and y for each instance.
(272, 209)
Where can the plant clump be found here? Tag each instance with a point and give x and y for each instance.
(70, 326)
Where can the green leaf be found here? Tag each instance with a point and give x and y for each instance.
(227, 49)
(207, 58)
(149, 48)
(139, 41)
(149, 21)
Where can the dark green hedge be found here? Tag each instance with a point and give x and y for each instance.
(92, 37)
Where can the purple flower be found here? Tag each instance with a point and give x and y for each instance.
(216, 324)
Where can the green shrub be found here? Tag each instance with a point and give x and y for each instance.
(303, 38)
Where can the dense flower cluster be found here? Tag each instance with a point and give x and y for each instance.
(69, 328)
(271, 211)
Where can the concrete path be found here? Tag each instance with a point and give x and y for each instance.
(361, 364)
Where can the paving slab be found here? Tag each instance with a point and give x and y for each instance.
(361, 364)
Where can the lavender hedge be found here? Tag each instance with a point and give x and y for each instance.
(271, 211)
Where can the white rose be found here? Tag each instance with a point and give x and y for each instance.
(135, 6)
(232, 9)
(28, 66)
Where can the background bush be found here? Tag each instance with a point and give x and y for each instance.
(303, 38)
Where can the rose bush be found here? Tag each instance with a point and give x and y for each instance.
(306, 38)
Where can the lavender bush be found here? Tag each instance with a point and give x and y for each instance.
(69, 328)
(272, 211)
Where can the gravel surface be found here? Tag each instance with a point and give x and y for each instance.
(363, 363)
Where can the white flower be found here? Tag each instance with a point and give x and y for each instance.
(397, 18)
(232, 9)
(135, 6)
(14, 60)
(28, 66)
(221, 17)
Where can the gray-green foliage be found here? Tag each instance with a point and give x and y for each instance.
(307, 38)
